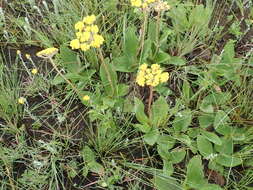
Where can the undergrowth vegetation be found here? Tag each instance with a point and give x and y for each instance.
(126, 94)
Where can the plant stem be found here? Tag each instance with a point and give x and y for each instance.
(150, 100)
(106, 69)
(68, 81)
(143, 32)
(158, 23)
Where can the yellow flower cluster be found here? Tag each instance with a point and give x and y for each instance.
(141, 3)
(87, 34)
(47, 53)
(152, 76)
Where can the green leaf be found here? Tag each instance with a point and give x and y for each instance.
(168, 168)
(166, 183)
(159, 110)
(176, 61)
(130, 43)
(211, 187)
(87, 154)
(206, 120)
(109, 78)
(151, 137)
(195, 175)
(221, 118)
(206, 107)
(204, 146)
(177, 155)
(228, 161)
(167, 141)
(182, 121)
(96, 168)
(226, 147)
(186, 91)
(123, 89)
(211, 136)
(162, 57)
(69, 59)
(142, 127)
(139, 111)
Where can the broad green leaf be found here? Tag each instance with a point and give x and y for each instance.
(168, 168)
(109, 78)
(123, 89)
(130, 43)
(177, 155)
(163, 151)
(228, 161)
(204, 146)
(221, 118)
(186, 91)
(195, 173)
(176, 61)
(182, 121)
(125, 64)
(206, 106)
(69, 59)
(166, 183)
(167, 141)
(162, 57)
(142, 127)
(87, 154)
(211, 136)
(96, 168)
(224, 129)
(206, 120)
(139, 111)
(151, 137)
(159, 110)
(226, 147)
(211, 187)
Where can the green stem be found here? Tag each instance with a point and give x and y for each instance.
(106, 69)
(150, 101)
(68, 81)
(158, 24)
(143, 33)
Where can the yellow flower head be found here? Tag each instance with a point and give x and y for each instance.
(84, 47)
(87, 35)
(89, 19)
(34, 71)
(28, 56)
(47, 53)
(75, 44)
(86, 98)
(18, 52)
(21, 100)
(142, 3)
(152, 76)
(79, 25)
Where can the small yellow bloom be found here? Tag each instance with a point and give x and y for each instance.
(152, 76)
(75, 44)
(97, 41)
(84, 47)
(164, 77)
(18, 52)
(47, 53)
(85, 36)
(89, 19)
(28, 56)
(21, 100)
(34, 71)
(94, 29)
(143, 67)
(86, 98)
(79, 26)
